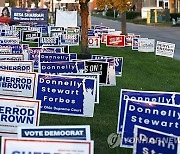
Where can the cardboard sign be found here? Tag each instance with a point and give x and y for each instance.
(146, 45)
(153, 141)
(152, 96)
(69, 39)
(165, 49)
(12, 57)
(17, 84)
(16, 112)
(48, 41)
(48, 146)
(9, 40)
(30, 36)
(118, 63)
(128, 40)
(98, 67)
(70, 132)
(115, 41)
(53, 57)
(66, 95)
(94, 41)
(20, 66)
(16, 48)
(158, 116)
(57, 68)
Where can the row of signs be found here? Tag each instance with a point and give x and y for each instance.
(140, 109)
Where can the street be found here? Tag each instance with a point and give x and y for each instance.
(164, 34)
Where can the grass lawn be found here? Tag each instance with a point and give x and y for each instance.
(141, 71)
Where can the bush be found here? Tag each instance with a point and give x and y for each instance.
(110, 13)
(174, 15)
(132, 15)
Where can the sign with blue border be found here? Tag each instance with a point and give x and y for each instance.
(57, 68)
(152, 96)
(70, 132)
(69, 39)
(12, 57)
(153, 141)
(158, 116)
(66, 95)
(16, 48)
(48, 41)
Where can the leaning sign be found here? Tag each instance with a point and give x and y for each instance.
(165, 49)
(66, 95)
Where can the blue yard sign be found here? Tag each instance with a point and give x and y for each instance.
(158, 116)
(152, 96)
(66, 95)
(151, 141)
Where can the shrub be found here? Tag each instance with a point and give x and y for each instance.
(132, 15)
(110, 13)
(174, 15)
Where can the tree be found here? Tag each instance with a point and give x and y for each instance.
(120, 5)
(84, 13)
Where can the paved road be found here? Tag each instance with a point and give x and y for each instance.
(166, 34)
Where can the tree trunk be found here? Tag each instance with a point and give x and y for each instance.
(84, 26)
(123, 23)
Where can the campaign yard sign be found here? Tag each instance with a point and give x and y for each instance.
(53, 49)
(153, 141)
(15, 112)
(5, 50)
(17, 84)
(146, 45)
(128, 40)
(158, 116)
(70, 132)
(118, 63)
(94, 41)
(57, 68)
(66, 95)
(165, 49)
(30, 16)
(152, 96)
(20, 66)
(12, 57)
(53, 57)
(115, 40)
(30, 36)
(46, 146)
(9, 40)
(69, 39)
(98, 67)
(16, 48)
(48, 41)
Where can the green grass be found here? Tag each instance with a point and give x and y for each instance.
(141, 71)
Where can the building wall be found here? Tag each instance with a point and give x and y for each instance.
(2, 3)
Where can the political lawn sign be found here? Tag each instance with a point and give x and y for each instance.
(30, 36)
(12, 57)
(135, 43)
(70, 132)
(115, 41)
(57, 68)
(152, 141)
(66, 95)
(18, 84)
(46, 146)
(146, 45)
(118, 63)
(158, 116)
(94, 41)
(152, 96)
(98, 67)
(48, 41)
(9, 40)
(5, 50)
(69, 39)
(20, 66)
(16, 112)
(165, 49)
(16, 48)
